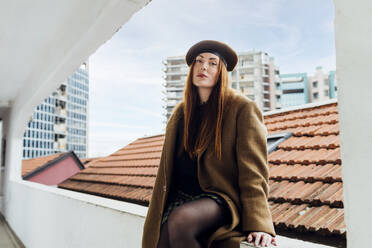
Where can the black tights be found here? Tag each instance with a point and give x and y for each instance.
(191, 221)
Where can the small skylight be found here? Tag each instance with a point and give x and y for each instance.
(275, 139)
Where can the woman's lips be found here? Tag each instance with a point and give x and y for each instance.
(202, 76)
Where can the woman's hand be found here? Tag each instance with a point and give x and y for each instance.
(265, 238)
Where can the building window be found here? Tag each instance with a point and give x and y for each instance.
(315, 84)
(293, 91)
(315, 95)
(326, 93)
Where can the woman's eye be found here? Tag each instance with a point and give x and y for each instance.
(214, 63)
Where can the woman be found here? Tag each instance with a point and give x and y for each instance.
(212, 184)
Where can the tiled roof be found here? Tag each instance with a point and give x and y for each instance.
(128, 174)
(88, 161)
(29, 165)
(305, 171)
(51, 169)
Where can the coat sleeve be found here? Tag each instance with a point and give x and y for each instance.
(251, 149)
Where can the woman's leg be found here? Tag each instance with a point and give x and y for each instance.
(164, 236)
(189, 221)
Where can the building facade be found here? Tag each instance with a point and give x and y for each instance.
(175, 76)
(255, 76)
(322, 86)
(293, 89)
(300, 88)
(59, 123)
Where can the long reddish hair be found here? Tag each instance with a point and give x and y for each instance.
(195, 140)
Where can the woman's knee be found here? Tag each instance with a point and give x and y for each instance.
(181, 221)
(194, 218)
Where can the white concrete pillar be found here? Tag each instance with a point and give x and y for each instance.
(353, 37)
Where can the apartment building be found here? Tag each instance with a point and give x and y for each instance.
(59, 123)
(300, 88)
(255, 76)
(175, 71)
(322, 86)
(293, 89)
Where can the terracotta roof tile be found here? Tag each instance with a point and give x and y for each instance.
(128, 174)
(128, 163)
(135, 181)
(305, 171)
(138, 195)
(134, 171)
(313, 142)
(29, 165)
(307, 156)
(324, 220)
(310, 121)
(89, 161)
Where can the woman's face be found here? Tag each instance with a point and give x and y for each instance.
(205, 70)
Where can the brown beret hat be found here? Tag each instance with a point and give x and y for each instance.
(222, 50)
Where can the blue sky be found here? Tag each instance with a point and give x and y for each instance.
(126, 72)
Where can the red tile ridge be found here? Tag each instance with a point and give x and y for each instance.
(304, 107)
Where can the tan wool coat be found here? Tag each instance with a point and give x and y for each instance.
(241, 177)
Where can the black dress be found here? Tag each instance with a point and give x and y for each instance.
(185, 186)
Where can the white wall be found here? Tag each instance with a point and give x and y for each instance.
(47, 217)
(353, 37)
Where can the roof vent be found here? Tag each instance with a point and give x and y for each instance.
(275, 139)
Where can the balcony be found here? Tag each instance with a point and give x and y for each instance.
(60, 128)
(60, 145)
(248, 65)
(277, 79)
(169, 73)
(247, 90)
(292, 79)
(173, 95)
(247, 78)
(172, 103)
(61, 95)
(60, 112)
(177, 82)
(173, 89)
